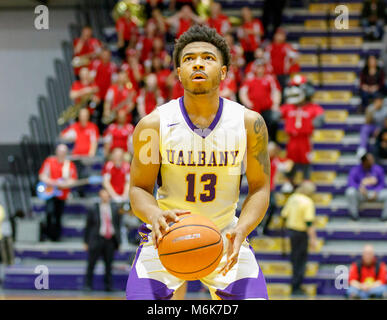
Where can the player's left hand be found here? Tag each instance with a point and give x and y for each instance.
(235, 239)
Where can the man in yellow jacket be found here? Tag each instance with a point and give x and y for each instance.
(299, 215)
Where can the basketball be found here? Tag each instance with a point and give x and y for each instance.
(192, 248)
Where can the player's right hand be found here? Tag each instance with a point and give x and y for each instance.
(160, 223)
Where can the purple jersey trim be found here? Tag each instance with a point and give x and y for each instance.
(201, 132)
(145, 288)
(246, 288)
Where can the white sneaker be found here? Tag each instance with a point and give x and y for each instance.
(287, 188)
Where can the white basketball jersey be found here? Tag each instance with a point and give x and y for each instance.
(201, 169)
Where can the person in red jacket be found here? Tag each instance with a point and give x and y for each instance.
(116, 176)
(367, 278)
(85, 89)
(120, 95)
(149, 97)
(218, 20)
(301, 117)
(119, 135)
(127, 33)
(86, 48)
(84, 134)
(56, 171)
(283, 57)
(261, 93)
(250, 33)
(183, 20)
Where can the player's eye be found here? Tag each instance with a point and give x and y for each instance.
(188, 59)
(209, 58)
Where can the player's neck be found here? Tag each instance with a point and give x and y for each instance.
(201, 105)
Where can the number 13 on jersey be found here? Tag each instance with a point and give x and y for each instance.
(208, 181)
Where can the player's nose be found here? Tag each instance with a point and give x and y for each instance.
(198, 64)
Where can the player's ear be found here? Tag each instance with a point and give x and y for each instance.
(223, 71)
(178, 73)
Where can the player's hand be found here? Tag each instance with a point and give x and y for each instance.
(160, 223)
(235, 239)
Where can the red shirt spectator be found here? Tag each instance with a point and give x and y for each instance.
(84, 136)
(127, 27)
(259, 91)
(119, 135)
(299, 127)
(177, 89)
(104, 71)
(162, 78)
(228, 87)
(221, 23)
(117, 175)
(117, 94)
(368, 273)
(249, 34)
(282, 55)
(78, 85)
(134, 70)
(85, 46)
(56, 170)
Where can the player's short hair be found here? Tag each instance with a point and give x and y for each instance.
(201, 33)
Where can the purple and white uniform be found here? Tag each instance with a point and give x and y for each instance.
(200, 172)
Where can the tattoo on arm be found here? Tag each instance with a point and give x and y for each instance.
(260, 147)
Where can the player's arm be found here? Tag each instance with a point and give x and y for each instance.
(258, 178)
(143, 174)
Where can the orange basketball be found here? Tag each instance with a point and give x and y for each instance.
(192, 248)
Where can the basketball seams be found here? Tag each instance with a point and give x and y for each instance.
(187, 250)
(193, 225)
(221, 252)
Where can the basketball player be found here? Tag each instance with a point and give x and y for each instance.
(201, 144)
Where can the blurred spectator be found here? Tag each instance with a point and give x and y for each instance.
(162, 75)
(272, 16)
(102, 238)
(159, 21)
(183, 20)
(283, 57)
(127, 33)
(366, 183)
(299, 214)
(261, 93)
(85, 90)
(367, 277)
(259, 55)
(84, 134)
(237, 59)
(116, 176)
(381, 142)
(373, 19)
(6, 242)
(56, 171)
(134, 69)
(249, 34)
(145, 42)
(86, 48)
(218, 20)
(149, 97)
(158, 51)
(151, 6)
(118, 135)
(120, 96)
(104, 71)
(176, 5)
(371, 81)
(175, 84)
(276, 165)
(375, 114)
(228, 87)
(300, 117)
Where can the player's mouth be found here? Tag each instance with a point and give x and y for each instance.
(199, 76)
